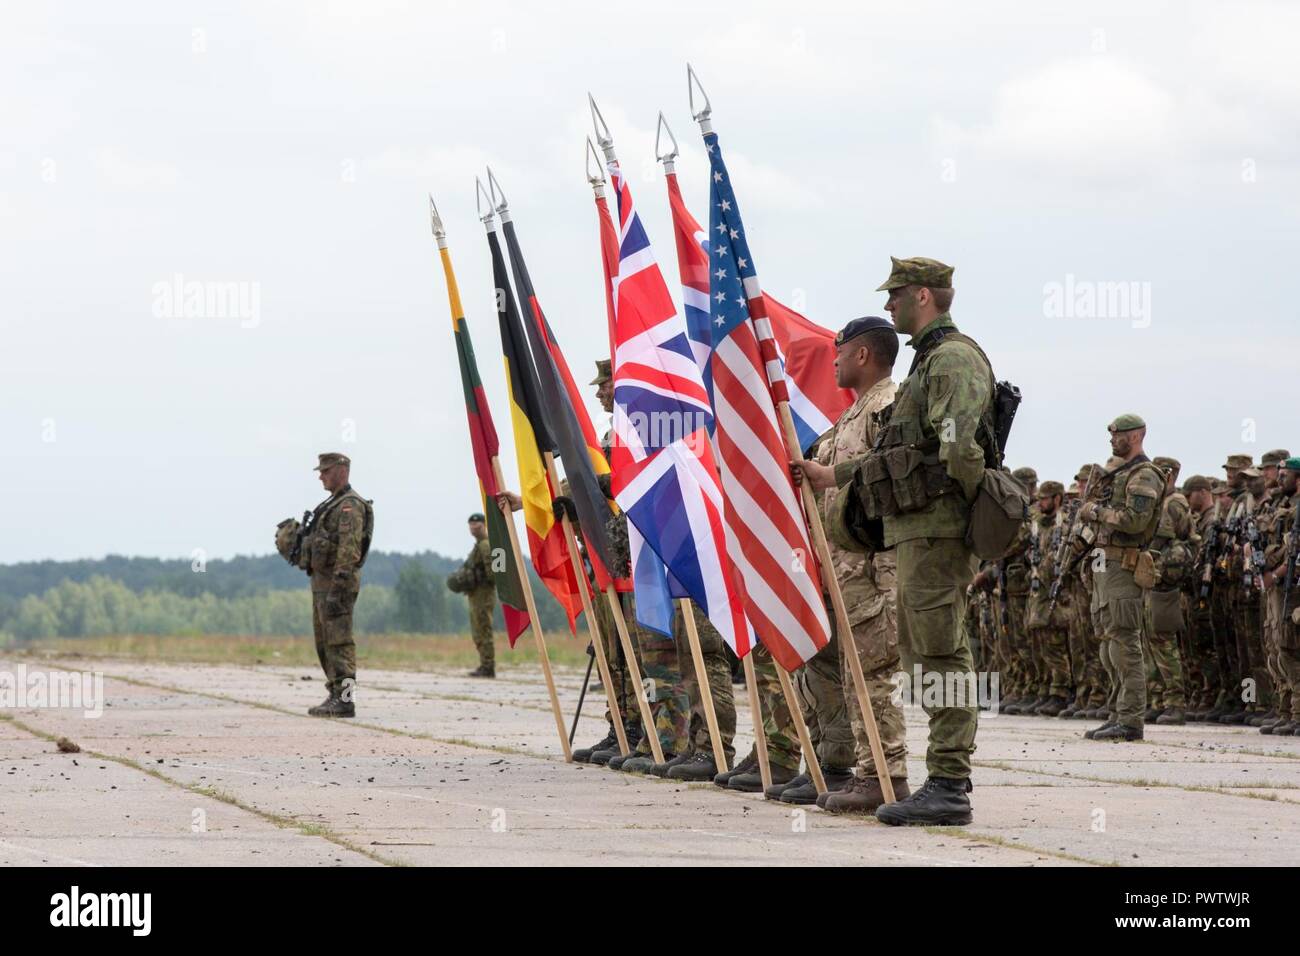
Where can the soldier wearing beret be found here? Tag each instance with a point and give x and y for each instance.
(1174, 550)
(335, 549)
(474, 580)
(937, 433)
(1122, 524)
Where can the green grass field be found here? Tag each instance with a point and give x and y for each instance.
(413, 652)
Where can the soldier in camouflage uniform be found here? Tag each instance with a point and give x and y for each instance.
(1244, 603)
(625, 691)
(1265, 517)
(336, 547)
(1203, 678)
(696, 761)
(939, 436)
(1225, 595)
(1032, 683)
(1122, 524)
(1049, 624)
(474, 580)
(1089, 676)
(1280, 557)
(866, 349)
(1174, 548)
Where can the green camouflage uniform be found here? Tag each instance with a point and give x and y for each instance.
(783, 748)
(1174, 546)
(867, 584)
(1266, 519)
(1050, 631)
(1288, 632)
(948, 392)
(337, 548)
(661, 676)
(1124, 525)
(1244, 607)
(718, 671)
(474, 580)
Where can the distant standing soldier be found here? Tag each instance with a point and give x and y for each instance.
(937, 437)
(335, 549)
(1174, 549)
(1124, 523)
(474, 580)
(1280, 557)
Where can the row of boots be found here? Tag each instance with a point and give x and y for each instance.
(941, 802)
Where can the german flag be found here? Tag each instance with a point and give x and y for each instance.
(483, 439)
(579, 448)
(532, 437)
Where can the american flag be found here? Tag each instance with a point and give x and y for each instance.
(664, 474)
(772, 549)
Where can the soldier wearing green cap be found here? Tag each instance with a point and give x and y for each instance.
(1174, 551)
(334, 550)
(1266, 516)
(474, 580)
(1122, 522)
(936, 435)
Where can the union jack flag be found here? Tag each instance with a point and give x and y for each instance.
(773, 553)
(665, 477)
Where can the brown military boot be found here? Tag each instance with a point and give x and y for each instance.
(865, 795)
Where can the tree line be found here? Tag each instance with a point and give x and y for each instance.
(245, 595)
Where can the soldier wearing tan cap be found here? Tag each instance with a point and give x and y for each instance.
(1174, 547)
(1266, 518)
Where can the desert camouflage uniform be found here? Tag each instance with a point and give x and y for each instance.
(1288, 632)
(867, 584)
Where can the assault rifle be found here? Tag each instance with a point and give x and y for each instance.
(1292, 545)
(1253, 552)
(1062, 546)
(1209, 552)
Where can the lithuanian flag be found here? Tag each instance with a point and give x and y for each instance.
(483, 439)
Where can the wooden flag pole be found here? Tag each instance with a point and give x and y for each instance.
(801, 727)
(571, 541)
(535, 622)
(848, 645)
(702, 680)
(756, 709)
(642, 701)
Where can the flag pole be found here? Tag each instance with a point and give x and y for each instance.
(702, 679)
(812, 517)
(620, 624)
(703, 117)
(440, 235)
(535, 622)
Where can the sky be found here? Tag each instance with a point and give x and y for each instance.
(1117, 187)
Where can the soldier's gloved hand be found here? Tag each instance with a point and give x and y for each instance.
(563, 505)
(1089, 511)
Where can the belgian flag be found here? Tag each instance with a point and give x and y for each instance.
(483, 438)
(546, 541)
(575, 436)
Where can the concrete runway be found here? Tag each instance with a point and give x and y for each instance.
(194, 765)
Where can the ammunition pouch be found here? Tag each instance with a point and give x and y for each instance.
(999, 511)
(1166, 611)
(899, 480)
(849, 527)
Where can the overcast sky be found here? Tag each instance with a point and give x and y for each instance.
(1042, 149)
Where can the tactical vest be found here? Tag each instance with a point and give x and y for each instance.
(324, 545)
(903, 472)
(1118, 493)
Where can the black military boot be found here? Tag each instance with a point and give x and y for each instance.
(319, 709)
(941, 802)
(1235, 716)
(1118, 732)
(337, 707)
(1051, 708)
(837, 778)
(616, 762)
(661, 769)
(697, 768)
(746, 765)
(639, 763)
(1092, 734)
(751, 781)
(610, 742)
(1152, 714)
(779, 787)
(1258, 719)
(483, 670)
(604, 755)
(1284, 729)
(1172, 716)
